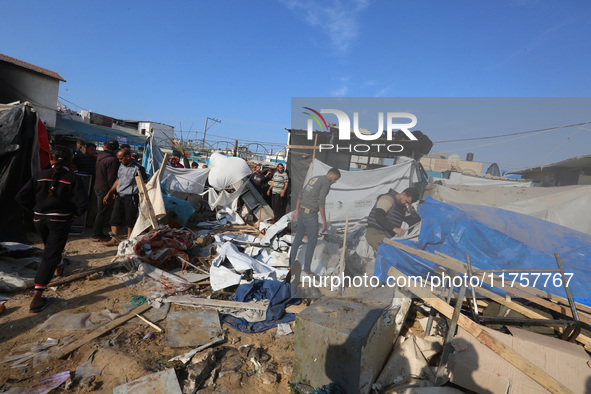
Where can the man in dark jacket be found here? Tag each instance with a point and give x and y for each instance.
(107, 166)
(387, 215)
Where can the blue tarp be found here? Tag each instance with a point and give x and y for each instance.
(279, 296)
(495, 239)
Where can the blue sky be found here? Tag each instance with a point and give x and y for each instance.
(242, 61)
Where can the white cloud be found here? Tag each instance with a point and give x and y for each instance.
(340, 92)
(338, 18)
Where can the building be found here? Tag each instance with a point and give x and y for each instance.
(573, 171)
(22, 81)
(437, 162)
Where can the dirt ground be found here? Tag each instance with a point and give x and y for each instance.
(127, 356)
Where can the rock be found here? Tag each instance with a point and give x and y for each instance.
(269, 378)
(231, 361)
(288, 371)
(209, 355)
(231, 381)
(245, 350)
(198, 372)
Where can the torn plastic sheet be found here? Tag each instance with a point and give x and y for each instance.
(230, 215)
(31, 350)
(87, 369)
(45, 385)
(228, 266)
(276, 228)
(495, 239)
(273, 258)
(237, 238)
(17, 273)
(77, 321)
(326, 258)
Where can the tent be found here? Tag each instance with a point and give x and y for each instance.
(564, 205)
(356, 192)
(495, 239)
(24, 150)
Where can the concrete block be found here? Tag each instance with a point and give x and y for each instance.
(343, 341)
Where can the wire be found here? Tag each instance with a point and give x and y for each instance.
(511, 134)
(73, 103)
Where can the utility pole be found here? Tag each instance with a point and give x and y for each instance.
(207, 128)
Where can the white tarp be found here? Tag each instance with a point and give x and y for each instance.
(222, 276)
(155, 195)
(185, 180)
(564, 205)
(356, 192)
(456, 178)
(226, 171)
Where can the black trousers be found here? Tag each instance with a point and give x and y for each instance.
(54, 233)
(125, 210)
(101, 218)
(279, 204)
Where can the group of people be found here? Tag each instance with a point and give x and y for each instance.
(115, 185)
(175, 162)
(384, 221)
(276, 185)
(56, 196)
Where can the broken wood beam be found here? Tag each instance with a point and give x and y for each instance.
(456, 265)
(534, 295)
(478, 332)
(205, 302)
(82, 274)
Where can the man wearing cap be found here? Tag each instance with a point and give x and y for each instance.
(126, 192)
(107, 166)
(387, 215)
(311, 200)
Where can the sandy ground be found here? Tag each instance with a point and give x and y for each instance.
(128, 356)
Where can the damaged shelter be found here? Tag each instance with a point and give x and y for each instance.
(203, 298)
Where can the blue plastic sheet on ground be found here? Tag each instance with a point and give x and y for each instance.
(279, 296)
(180, 210)
(495, 239)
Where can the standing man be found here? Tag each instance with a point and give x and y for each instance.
(311, 200)
(125, 208)
(86, 163)
(387, 215)
(107, 166)
(278, 186)
(256, 178)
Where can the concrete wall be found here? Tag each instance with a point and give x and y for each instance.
(17, 84)
(163, 134)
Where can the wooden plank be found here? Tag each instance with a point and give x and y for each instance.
(477, 331)
(83, 274)
(536, 292)
(199, 301)
(449, 262)
(534, 295)
(63, 352)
